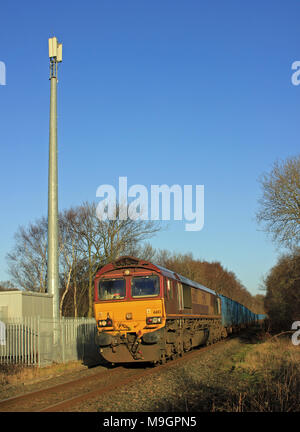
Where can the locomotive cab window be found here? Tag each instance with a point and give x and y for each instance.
(145, 286)
(112, 289)
(187, 296)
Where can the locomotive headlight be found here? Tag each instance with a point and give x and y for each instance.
(153, 320)
(105, 323)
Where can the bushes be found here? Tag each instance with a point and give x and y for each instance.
(282, 301)
(273, 369)
(246, 377)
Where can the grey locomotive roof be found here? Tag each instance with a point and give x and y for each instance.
(186, 280)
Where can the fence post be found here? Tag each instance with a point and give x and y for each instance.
(38, 342)
(62, 323)
(29, 340)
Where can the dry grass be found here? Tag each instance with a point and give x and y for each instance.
(13, 374)
(247, 374)
(247, 377)
(264, 378)
(272, 371)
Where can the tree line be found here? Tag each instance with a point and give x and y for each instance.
(279, 215)
(87, 243)
(212, 275)
(282, 300)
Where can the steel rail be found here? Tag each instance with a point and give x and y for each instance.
(75, 400)
(5, 403)
(71, 402)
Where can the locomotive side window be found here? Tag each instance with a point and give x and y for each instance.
(145, 286)
(165, 288)
(112, 289)
(180, 296)
(218, 306)
(174, 288)
(187, 296)
(170, 289)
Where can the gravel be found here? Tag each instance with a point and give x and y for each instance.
(174, 389)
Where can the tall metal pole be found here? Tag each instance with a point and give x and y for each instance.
(52, 194)
(55, 54)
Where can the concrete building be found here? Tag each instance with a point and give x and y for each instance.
(19, 304)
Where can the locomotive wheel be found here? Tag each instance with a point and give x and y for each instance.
(187, 345)
(163, 359)
(179, 349)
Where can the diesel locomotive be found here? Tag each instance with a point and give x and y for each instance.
(146, 313)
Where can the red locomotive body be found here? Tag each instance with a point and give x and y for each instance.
(145, 312)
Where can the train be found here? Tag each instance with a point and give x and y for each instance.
(147, 313)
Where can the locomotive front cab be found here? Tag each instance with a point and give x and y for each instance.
(129, 311)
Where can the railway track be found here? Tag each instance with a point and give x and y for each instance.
(68, 395)
(34, 399)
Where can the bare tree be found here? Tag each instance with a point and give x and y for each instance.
(143, 251)
(280, 203)
(84, 225)
(122, 237)
(69, 256)
(103, 241)
(86, 243)
(27, 263)
(7, 286)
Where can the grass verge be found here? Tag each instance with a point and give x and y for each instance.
(14, 374)
(263, 377)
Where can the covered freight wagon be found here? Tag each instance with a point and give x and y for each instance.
(235, 314)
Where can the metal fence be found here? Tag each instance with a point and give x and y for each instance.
(41, 341)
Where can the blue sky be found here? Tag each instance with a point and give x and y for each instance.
(175, 92)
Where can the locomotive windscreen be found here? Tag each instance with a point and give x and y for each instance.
(112, 289)
(147, 286)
